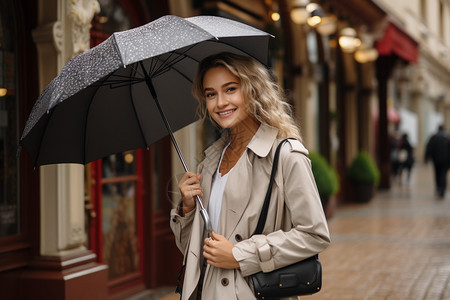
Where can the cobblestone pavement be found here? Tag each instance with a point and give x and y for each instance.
(397, 246)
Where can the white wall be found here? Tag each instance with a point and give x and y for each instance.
(409, 125)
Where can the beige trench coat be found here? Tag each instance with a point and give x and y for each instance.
(296, 227)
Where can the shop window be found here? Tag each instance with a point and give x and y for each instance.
(119, 224)
(9, 174)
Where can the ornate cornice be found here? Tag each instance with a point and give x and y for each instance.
(81, 13)
(50, 32)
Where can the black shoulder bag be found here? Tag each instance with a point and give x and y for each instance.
(301, 278)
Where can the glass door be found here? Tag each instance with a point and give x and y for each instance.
(116, 231)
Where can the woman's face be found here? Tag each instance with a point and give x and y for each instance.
(224, 97)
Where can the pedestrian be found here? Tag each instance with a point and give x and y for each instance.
(405, 157)
(438, 150)
(237, 93)
(395, 164)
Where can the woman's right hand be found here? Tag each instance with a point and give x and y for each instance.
(189, 186)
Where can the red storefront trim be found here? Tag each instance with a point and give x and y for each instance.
(397, 42)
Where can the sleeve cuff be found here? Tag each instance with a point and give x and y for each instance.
(254, 255)
(180, 225)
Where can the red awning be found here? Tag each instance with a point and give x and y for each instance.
(397, 42)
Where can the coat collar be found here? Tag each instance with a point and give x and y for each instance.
(261, 144)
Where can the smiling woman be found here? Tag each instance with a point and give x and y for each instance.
(238, 94)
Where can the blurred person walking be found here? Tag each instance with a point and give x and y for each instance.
(438, 150)
(405, 157)
(395, 164)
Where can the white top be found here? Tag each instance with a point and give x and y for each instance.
(217, 189)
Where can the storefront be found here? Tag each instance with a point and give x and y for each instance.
(56, 241)
(396, 49)
(19, 206)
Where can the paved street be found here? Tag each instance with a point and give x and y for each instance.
(395, 247)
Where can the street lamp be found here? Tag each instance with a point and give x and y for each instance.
(348, 40)
(366, 54)
(327, 25)
(275, 16)
(315, 14)
(299, 14)
(304, 12)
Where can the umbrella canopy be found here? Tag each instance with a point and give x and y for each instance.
(131, 90)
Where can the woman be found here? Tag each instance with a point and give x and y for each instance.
(237, 93)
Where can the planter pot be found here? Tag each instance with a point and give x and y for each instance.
(330, 207)
(363, 192)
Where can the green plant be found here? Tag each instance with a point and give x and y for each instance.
(334, 180)
(363, 170)
(326, 177)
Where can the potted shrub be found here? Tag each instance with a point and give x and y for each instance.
(364, 174)
(326, 177)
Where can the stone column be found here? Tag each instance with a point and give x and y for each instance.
(418, 88)
(65, 269)
(303, 91)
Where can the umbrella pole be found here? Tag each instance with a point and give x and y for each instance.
(150, 86)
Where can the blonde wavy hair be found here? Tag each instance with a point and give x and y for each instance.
(264, 98)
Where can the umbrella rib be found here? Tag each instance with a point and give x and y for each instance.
(166, 67)
(123, 83)
(117, 83)
(87, 118)
(168, 63)
(182, 74)
(43, 137)
(136, 114)
(153, 64)
(123, 76)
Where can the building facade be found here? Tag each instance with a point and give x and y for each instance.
(421, 91)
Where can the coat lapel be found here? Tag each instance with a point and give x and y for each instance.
(236, 196)
(238, 188)
(209, 166)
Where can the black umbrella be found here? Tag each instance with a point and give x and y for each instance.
(132, 89)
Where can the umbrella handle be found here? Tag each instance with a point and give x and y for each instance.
(205, 217)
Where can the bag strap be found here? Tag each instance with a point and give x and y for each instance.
(265, 207)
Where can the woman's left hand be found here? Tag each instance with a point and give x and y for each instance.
(218, 252)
